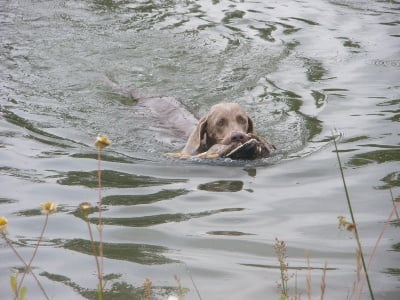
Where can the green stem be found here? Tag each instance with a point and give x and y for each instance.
(354, 222)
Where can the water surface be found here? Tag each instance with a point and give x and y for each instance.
(304, 70)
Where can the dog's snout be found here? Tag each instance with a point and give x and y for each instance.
(238, 137)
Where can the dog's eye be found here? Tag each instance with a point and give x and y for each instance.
(221, 122)
(241, 120)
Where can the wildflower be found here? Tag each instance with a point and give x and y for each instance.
(49, 207)
(344, 224)
(3, 225)
(85, 208)
(102, 142)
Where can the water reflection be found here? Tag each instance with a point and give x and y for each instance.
(138, 253)
(153, 220)
(319, 98)
(251, 171)
(231, 15)
(29, 212)
(35, 133)
(315, 70)
(377, 156)
(6, 201)
(106, 156)
(118, 290)
(351, 44)
(26, 174)
(266, 33)
(396, 248)
(305, 267)
(394, 111)
(391, 180)
(228, 233)
(222, 186)
(143, 199)
(112, 178)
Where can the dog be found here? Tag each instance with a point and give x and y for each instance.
(226, 131)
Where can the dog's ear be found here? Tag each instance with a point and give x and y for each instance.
(250, 126)
(196, 139)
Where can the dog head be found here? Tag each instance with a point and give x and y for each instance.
(226, 123)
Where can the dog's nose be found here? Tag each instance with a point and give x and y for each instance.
(238, 137)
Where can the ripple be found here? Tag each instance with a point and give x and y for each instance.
(391, 180)
(309, 22)
(386, 63)
(112, 178)
(266, 33)
(153, 220)
(222, 186)
(228, 233)
(36, 133)
(25, 174)
(143, 199)
(139, 253)
(120, 289)
(315, 69)
(7, 201)
(231, 15)
(377, 156)
(319, 98)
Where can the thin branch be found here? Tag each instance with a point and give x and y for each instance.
(28, 266)
(354, 222)
(100, 258)
(9, 243)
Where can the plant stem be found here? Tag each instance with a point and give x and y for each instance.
(395, 205)
(308, 277)
(385, 225)
(100, 228)
(354, 222)
(96, 257)
(194, 284)
(323, 282)
(28, 266)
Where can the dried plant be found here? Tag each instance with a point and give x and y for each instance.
(17, 287)
(281, 252)
(147, 289)
(354, 224)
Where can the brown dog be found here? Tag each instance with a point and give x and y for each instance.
(226, 131)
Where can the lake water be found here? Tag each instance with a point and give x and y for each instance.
(304, 70)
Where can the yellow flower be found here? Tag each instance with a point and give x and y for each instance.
(102, 142)
(3, 225)
(85, 208)
(49, 207)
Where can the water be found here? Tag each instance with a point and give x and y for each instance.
(303, 69)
